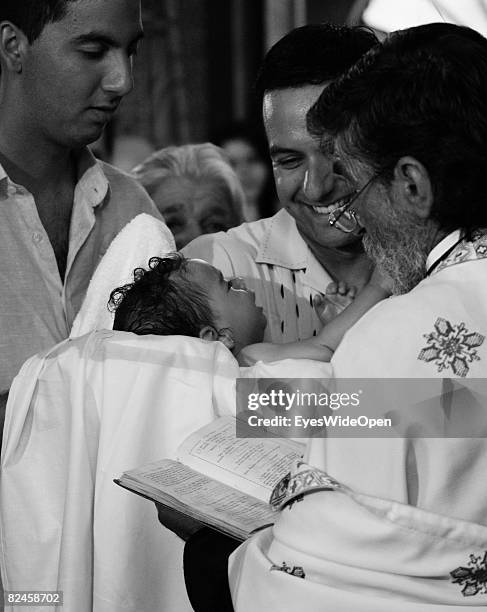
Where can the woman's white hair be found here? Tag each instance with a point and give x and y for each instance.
(193, 161)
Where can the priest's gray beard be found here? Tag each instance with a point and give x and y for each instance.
(399, 248)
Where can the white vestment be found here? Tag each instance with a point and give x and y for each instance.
(77, 417)
(336, 550)
(436, 331)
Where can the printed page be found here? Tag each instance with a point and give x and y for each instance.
(251, 465)
(200, 497)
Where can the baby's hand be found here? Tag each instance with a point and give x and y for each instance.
(337, 297)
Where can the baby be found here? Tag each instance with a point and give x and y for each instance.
(189, 297)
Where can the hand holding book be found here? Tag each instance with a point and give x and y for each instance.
(219, 480)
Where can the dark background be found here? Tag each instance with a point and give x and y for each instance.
(195, 68)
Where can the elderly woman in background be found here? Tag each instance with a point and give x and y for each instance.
(195, 189)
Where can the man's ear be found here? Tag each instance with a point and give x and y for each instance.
(13, 43)
(413, 186)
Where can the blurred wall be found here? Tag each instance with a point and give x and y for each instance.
(198, 61)
(169, 103)
(333, 11)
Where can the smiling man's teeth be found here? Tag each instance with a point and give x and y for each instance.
(322, 210)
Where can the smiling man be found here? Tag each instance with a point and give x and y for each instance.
(65, 67)
(291, 257)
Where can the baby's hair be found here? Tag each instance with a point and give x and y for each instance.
(161, 301)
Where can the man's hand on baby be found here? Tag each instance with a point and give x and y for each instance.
(338, 295)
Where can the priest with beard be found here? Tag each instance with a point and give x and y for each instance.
(398, 522)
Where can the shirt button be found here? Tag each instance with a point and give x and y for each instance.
(37, 237)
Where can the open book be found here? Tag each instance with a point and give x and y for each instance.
(218, 479)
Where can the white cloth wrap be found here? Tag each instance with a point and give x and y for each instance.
(144, 237)
(78, 417)
(358, 553)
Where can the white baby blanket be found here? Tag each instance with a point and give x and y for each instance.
(78, 417)
(144, 237)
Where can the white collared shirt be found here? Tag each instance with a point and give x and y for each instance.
(277, 264)
(37, 307)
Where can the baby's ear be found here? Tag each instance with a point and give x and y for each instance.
(208, 333)
(224, 336)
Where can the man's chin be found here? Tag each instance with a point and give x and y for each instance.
(87, 136)
(405, 267)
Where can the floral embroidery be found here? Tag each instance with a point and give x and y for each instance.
(297, 570)
(451, 346)
(280, 491)
(296, 485)
(473, 578)
(295, 500)
(467, 250)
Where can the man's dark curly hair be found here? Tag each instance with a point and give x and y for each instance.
(161, 301)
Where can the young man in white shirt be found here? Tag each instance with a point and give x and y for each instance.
(65, 67)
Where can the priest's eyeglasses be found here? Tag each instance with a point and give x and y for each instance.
(345, 219)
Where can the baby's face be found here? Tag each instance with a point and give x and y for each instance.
(233, 305)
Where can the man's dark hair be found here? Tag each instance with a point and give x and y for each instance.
(31, 16)
(161, 301)
(312, 55)
(423, 93)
